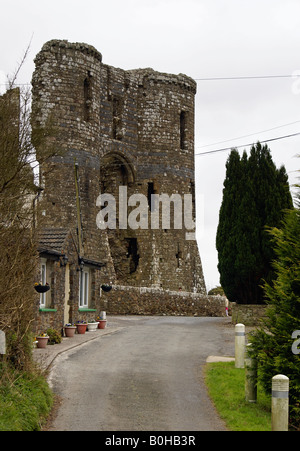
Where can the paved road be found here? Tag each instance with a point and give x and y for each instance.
(145, 377)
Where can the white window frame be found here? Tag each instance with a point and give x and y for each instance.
(84, 288)
(43, 296)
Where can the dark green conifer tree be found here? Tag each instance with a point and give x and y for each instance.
(254, 196)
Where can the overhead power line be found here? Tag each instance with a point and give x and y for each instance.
(16, 84)
(247, 136)
(247, 77)
(246, 145)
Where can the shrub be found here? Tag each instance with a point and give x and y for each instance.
(25, 400)
(272, 344)
(54, 336)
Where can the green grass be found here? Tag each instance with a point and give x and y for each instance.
(226, 386)
(24, 402)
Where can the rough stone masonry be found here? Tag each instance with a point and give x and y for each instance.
(132, 128)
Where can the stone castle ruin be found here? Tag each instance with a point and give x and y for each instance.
(125, 133)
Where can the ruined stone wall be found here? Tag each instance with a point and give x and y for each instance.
(249, 315)
(124, 128)
(123, 300)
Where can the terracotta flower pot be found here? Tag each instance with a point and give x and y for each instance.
(102, 324)
(70, 331)
(42, 342)
(81, 328)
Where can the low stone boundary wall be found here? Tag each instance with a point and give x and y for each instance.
(128, 300)
(249, 315)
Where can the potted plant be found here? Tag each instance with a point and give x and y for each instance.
(40, 288)
(81, 327)
(106, 288)
(70, 330)
(92, 325)
(42, 340)
(54, 336)
(102, 322)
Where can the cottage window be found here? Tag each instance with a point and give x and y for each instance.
(43, 296)
(84, 288)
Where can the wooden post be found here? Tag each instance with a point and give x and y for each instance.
(280, 403)
(78, 206)
(239, 345)
(2, 342)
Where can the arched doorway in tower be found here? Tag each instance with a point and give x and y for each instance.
(117, 178)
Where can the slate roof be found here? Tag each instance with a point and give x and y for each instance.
(53, 240)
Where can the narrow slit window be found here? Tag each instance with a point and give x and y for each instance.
(150, 192)
(178, 256)
(117, 118)
(133, 255)
(182, 130)
(87, 98)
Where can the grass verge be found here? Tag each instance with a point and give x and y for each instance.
(25, 401)
(226, 387)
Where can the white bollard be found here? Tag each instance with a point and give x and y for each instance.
(250, 377)
(239, 345)
(102, 315)
(280, 403)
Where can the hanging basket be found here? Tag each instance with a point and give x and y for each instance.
(42, 288)
(106, 288)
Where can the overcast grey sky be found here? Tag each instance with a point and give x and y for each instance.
(203, 39)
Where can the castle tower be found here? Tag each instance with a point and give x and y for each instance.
(166, 155)
(66, 84)
(131, 134)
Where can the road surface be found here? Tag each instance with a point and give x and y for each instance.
(147, 376)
